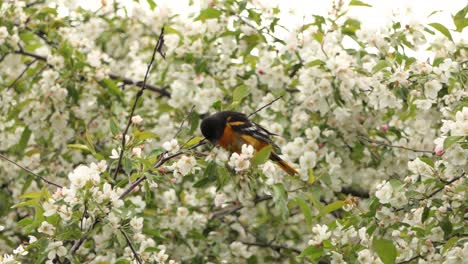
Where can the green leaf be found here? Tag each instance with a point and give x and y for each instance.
(311, 179)
(144, 135)
(151, 4)
(460, 19)
(450, 243)
(305, 208)
(262, 156)
(447, 226)
(280, 199)
(223, 177)
(111, 87)
(194, 141)
(385, 250)
(113, 127)
(240, 92)
(442, 29)
(217, 105)
(358, 3)
(380, 66)
(350, 26)
(79, 146)
(427, 160)
(31, 202)
(331, 207)
(209, 176)
(312, 252)
(315, 63)
(425, 214)
(194, 120)
(89, 141)
(449, 141)
(23, 142)
(31, 195)
(209, 13)
(255, 16)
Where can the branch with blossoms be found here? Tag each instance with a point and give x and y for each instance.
(272, 246)
(381, 143)
(436, 191)
(129, 243)
(30, 172)
(158, 48)
(161, 90)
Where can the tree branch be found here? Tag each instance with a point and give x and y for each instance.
(381, 143)
(28, 65)
(272, 246)
(162, 159)
(161, 90)
(31, 172)
(137, 257)
(157, 48)
(436, 191)
(265, 106)
(232, 209)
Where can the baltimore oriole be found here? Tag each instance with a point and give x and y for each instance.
(231, 130)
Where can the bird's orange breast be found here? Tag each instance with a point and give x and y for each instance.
(233, 141)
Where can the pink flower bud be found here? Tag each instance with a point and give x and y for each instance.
(384, 128)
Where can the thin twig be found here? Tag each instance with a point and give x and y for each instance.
(31, 172)
(434, 192)
(232, 209)
(409, 260)
(162, 159)
(265, 106)
(30, 54)
(272, 246)
(183, 121)
(446, 183)
(137, 257)
(137, 98)
(161, 90)
(28, 65)
(381, 143)
(258, 30)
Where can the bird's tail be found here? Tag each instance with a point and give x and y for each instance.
(283, 164)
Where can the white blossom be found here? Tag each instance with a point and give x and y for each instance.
(46, 228)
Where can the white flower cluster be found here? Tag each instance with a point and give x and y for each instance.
(387, 194)
(241, 162)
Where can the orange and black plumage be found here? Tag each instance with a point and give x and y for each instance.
(231, 130)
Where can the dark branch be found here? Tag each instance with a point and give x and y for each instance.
(137, 257)
(30, 172)
(183, 121)
(137, 98)
(234, 208)
(265, 106)
(446, 183)
(381, 143)
(28, 65)
(162, 159)
(161, 90)
(272, 246)
(436, 191)
(355, 193)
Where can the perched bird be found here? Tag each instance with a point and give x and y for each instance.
(231, 130)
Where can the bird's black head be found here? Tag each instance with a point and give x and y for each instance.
(212, 127)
